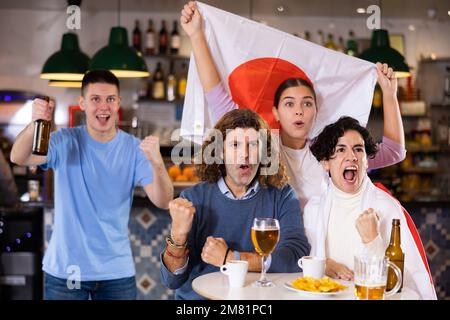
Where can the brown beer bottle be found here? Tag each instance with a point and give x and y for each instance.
(41, 135)
(395, 254)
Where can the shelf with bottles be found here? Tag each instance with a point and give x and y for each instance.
(160, 88)
(421, 163)
(161, 101)
(423, 170)
(417, 148)
(158, 44)
(169, 57)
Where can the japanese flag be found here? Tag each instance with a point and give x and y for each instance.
(254, 59)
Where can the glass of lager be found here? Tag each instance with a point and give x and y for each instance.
(371, 277)
(265, 236)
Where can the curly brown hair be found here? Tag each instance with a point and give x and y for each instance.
(324, 145)
(241, 118)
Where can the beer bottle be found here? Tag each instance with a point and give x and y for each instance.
(137, 41)
(41, 135)
(395, 254)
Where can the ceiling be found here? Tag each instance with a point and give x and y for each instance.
(403, 9)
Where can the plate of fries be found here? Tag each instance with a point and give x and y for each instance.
(321, 287)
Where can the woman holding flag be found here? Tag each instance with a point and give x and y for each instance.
(295, 109)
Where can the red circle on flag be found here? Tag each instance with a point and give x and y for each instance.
(253, 84)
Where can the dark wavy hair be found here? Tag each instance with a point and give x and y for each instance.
(324, 145)
(292, 82)
(240, 118)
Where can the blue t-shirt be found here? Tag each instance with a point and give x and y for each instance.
(94, 185)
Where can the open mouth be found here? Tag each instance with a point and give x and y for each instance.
(350, 174)
(103, 118)
(244, 168)
(298, 124)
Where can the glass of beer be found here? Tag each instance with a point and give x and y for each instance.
(371, 277)
(265, 236)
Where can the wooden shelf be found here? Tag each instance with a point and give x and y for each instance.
(433, 148)
(151, 100)
(420, 170)
(166, 56)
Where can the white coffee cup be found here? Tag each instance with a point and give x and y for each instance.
(312, 266)
(236, 270)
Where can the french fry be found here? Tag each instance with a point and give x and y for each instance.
(324, 284)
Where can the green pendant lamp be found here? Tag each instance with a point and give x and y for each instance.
(380, 51)
(69, 63)
(119, 58)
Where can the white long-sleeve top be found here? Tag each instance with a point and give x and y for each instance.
(345, 210)
(317, 221)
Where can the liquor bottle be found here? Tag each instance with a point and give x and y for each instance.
(150, 39)
(171, 84)
(182, 82)
(175, 40)
(163, 38)
(442, 131)
(143, 88)
(446, 95)
(137, 39)
(307, 36)
(352, 46)
(321, 38)
(395, 254)
(330, 43)
(41, 135)
(158, 83)
(341, 45)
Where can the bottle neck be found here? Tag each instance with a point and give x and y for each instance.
(395, 236)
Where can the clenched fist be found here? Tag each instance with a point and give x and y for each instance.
(214, 251)
(182, 213)
(150, 147)
(387, 79)
(191, 19)
(368, 225)
(42, 109)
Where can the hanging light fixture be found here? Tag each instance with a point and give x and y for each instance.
(119, 57)
(69, 63)
(380, 51)
(64, 84)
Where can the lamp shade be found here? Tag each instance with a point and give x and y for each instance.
(119, 58)
(64, 84)
(380, 51)
(69, 63)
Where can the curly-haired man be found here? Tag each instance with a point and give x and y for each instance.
(211, 222)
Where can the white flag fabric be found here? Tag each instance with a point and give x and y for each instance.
(253, 59)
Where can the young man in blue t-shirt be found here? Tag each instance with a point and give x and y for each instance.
(96, 169)
(211, 222)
